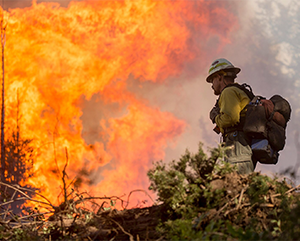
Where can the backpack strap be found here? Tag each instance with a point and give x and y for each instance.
(244, 87)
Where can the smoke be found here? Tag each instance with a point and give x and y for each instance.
(266, 48)
(11, 4)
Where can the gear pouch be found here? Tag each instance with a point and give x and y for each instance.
(255, 122)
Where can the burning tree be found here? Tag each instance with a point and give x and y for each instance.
(19, 159)
(16, 153)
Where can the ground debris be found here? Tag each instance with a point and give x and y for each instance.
(247, 200)
(73, 220)
(227, 205)
(131, 224)
(138, 223)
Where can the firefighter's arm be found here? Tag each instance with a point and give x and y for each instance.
(230, 109)
(215, 111)
(213, 114)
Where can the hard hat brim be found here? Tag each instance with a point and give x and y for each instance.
(234, 69)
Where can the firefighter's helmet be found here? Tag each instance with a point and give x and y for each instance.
(222, 65)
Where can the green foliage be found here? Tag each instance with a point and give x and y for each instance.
(205, 199)
(24, 233)
(258, 187)
(181, 185)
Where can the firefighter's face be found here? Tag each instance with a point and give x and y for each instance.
(216, 84)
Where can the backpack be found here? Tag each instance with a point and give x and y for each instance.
(265, 124)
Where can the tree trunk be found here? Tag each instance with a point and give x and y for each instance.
(3, 106)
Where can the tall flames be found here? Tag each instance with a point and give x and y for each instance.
(57, 59)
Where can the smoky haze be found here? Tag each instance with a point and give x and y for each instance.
(266, 47)
(10, 4)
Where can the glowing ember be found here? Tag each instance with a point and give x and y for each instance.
(57, 56)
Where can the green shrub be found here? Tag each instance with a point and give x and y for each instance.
(205, 199)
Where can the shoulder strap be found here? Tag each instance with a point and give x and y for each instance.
(244, 87)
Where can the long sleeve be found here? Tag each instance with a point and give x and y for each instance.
(232, 101)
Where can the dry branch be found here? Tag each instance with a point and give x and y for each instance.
(26, 197)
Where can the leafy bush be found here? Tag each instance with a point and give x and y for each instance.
(205, 199)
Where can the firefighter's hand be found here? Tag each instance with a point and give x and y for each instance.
(213, 114)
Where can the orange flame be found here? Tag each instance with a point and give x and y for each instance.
(56, 57)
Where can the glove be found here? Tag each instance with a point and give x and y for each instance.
(213, 113)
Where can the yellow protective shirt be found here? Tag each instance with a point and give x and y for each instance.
(231, 102)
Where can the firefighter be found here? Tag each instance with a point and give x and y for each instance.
(228, 114)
